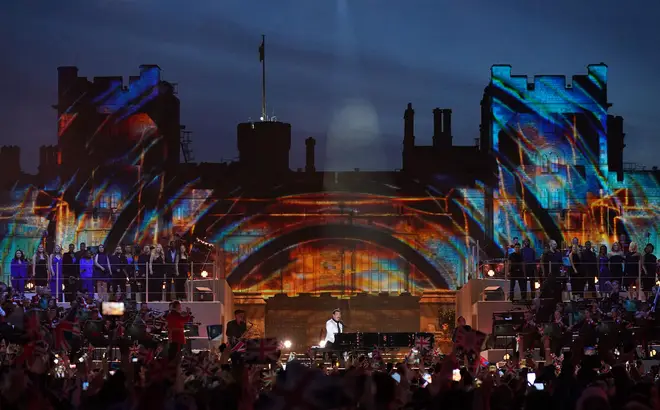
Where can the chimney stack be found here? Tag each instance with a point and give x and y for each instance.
(310, 160)
(409, 126)
(446, 122)
(437, 127)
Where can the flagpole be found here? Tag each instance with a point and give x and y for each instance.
(263, 78)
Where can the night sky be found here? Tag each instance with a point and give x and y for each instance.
(339, 70)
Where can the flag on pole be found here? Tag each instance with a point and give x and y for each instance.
(262, 49)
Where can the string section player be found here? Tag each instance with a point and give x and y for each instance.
(237, 328)
(333, 326)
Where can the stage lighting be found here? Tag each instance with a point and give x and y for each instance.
(287, 344)
(204, 274)
(322, 344)
(537, 285)
(506, 357)
(491, 273)
(652, 353)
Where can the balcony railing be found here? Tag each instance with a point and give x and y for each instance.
(577, 278)
(137, 282)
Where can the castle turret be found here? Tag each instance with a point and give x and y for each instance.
(263, 147)
(310, 157)
(437, 127)
(447, 138)
(408, 134)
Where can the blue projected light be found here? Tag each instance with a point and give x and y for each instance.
(130, 99)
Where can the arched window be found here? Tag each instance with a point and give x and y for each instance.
(554, 162)
(550, 163)
(544, 198)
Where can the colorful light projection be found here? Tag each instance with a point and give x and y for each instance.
(339, 267)
(116, 142)
(550, 143)
(126, 101)
(433, 235)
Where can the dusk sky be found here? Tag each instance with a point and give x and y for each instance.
(339, 70)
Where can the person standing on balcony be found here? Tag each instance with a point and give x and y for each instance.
(590, 266)
(118, 271)
(101, 272)
(71, 273)
(616, 260)
(55, 266)
(19, 271)
(156, 274)
(529, 261)
(632, 265)
(551, 262)
(81, 251)
(516, 273)
(576, 271)
(170, 267)
(182, 273)
(40, 272)
(143, 272)
(86, 275)
(648, 267)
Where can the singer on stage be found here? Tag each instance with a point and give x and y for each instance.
(236, 328)
(333, 326)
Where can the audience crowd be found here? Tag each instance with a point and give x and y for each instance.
(48, 364)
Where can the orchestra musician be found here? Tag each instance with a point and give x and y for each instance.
(558, 333)
(236, 328)
(586, 328)
(176, 322)
(530, 335)
(333, 326)
(644, 319)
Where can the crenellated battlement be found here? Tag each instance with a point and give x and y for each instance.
(590, 88)
(10, 150)
(48, 158)
(110, 93)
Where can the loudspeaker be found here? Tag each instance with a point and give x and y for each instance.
(202, 294)
(493, 294)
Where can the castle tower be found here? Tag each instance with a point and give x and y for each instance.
(263, 147)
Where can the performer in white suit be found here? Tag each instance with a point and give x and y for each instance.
(333, 326)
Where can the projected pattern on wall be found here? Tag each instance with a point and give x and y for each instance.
(550, 143)
(435, 236)
(339, 267)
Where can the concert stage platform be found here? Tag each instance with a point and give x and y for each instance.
(478, 313)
